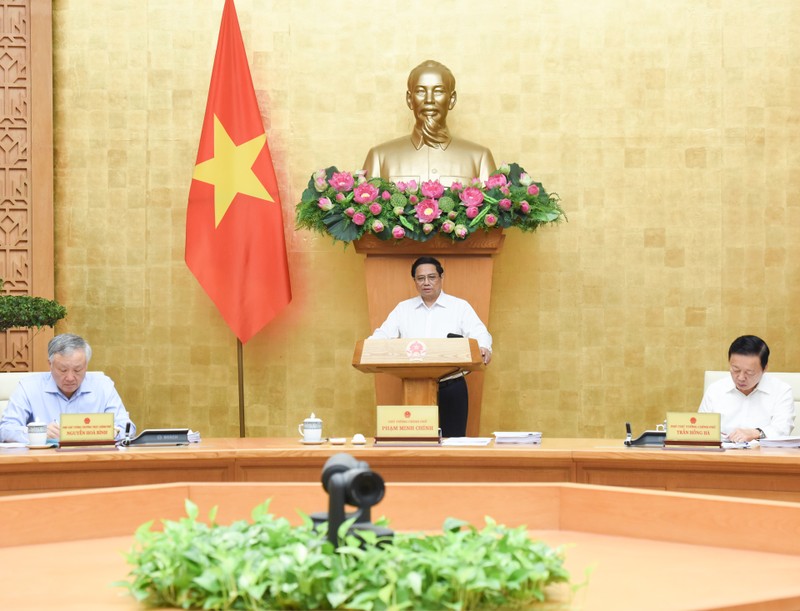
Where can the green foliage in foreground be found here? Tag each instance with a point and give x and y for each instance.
(269, 564)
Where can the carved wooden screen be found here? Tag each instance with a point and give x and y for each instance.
(26, 169)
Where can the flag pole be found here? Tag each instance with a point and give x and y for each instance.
(235, 243)
(241, 385)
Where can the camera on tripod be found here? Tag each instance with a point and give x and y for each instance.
(351, 482)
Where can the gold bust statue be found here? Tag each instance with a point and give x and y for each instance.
(430, 152)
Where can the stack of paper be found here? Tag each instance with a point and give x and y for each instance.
(780, 442)
(467, 441)
(737, 445)
(528, 437)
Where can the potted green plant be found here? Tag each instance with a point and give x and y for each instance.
(267, 563)
(29, 312)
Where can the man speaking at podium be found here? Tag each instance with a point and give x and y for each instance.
(435, 314)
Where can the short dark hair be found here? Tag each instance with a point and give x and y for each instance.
(750, 345)
(426, 261)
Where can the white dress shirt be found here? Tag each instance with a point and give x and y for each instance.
(37, 398)
(448, 314)
(769, 407)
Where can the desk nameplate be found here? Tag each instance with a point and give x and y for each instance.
(86, 429)
(693, 429)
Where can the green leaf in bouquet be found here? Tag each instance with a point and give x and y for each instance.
(311, 194)
(406, 223)
(545, 216)
(341, 227)
(514, 173)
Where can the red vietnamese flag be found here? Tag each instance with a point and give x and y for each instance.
(234, 225)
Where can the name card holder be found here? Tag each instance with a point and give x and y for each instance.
(407, 441)
(87, 445)
(87, 431)
(693, 431)
(408, 425)
(87, 442)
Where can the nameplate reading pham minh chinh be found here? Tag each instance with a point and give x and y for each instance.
(86, 429)
(693, 429)
(407, 425)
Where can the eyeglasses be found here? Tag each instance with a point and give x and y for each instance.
(430, 278)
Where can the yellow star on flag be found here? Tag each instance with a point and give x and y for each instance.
(230, 170)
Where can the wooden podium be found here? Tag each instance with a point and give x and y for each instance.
(418, 362)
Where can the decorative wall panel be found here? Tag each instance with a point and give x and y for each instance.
(17, 147)
(15, 202)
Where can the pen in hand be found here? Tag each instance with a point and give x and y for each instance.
(53, 430)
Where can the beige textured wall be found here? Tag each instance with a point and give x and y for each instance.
(671, 131)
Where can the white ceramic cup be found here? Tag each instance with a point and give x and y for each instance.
(37, 434)
(311, 429)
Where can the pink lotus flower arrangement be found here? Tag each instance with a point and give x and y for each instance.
(347, 205)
